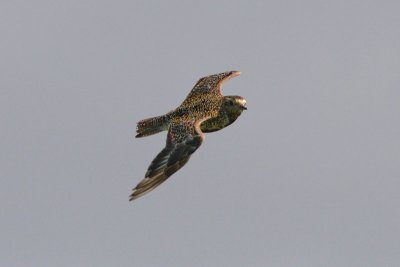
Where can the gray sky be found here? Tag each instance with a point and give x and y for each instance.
(308, 176)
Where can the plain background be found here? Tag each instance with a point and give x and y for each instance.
(308, 176)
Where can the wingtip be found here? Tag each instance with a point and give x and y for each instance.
(235, 73)
(132, 197)
(136, 194)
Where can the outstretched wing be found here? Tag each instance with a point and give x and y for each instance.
(182, 141)
(213, 82)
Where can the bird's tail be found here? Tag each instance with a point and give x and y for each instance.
(151, 126)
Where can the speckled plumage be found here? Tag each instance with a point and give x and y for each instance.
(204, 110)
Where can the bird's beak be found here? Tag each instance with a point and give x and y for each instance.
(244, 108)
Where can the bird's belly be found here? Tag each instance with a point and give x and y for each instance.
(215, 124)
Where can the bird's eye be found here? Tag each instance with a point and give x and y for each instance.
(231, 103)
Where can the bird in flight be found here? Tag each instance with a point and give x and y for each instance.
(204, 110)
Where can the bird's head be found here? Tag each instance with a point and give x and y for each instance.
(234, 103)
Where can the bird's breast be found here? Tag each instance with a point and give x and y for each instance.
(222, 120)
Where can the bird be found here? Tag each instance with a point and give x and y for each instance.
(204, 110)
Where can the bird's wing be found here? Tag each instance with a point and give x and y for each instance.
(213, 82)
(183, 140)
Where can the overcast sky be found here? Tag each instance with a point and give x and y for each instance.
(308, 176)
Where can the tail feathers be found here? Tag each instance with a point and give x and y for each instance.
(151, 126)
